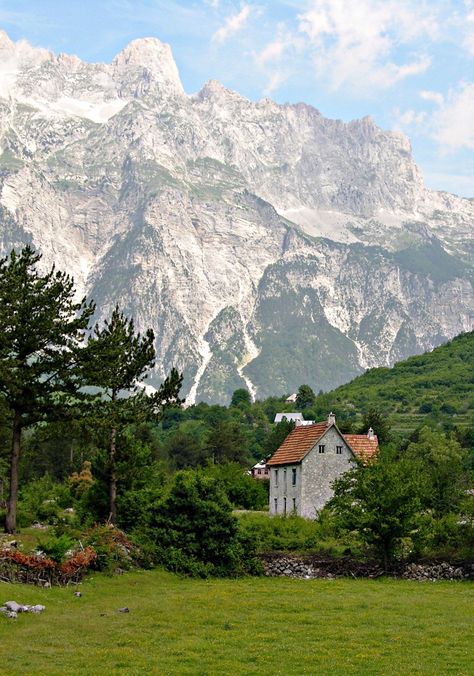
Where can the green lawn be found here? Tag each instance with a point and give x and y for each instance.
(248, 626)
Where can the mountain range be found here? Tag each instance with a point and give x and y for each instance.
(265, 244)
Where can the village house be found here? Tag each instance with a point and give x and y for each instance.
(297, 418)
(260, 471)
(308, 461)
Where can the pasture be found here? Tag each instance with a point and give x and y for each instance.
(246, 626)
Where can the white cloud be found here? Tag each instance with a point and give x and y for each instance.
(272, 52)
(468, 41)
(232, 24)
(435, 97)
(411, 118)
(453, 122)
(354, 42)
(276, 58)
(276, 79)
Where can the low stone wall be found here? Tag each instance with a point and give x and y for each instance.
(311, 567)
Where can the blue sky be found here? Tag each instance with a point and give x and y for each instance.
(408, 64)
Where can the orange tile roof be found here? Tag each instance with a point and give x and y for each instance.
(302, 439)
(363, 447)
(297, 444)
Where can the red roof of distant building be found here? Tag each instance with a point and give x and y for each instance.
(302, 439)
(363, 447)
(297, 444)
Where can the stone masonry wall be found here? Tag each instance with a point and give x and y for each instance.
(319, 470)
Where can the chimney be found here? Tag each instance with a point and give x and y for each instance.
(331, 419)
(370, 434)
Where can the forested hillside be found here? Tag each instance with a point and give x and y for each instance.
(437, 385)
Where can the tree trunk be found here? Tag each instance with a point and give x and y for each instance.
(113, 477)
(10, 520)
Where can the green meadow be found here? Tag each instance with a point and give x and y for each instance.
(244, 626)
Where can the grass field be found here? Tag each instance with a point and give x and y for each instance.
(248, 626)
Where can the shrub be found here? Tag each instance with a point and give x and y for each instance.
(42, 500)
(113, 548)
(56, 548)
(195, 531)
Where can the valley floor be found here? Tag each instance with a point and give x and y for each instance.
(247, 626)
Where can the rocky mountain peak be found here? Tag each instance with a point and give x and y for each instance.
(5, 43)
(155, 58)
(265, 244)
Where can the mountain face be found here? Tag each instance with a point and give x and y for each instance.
(266, 245)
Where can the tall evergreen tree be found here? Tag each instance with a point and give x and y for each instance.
(41, 329)
(305, 397)
(115, 360)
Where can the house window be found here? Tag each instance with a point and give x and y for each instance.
(294, 504)
(259, 471)
(276, 477)
(284, 479)
(293, 476)
(284, 505)
(276, 505)
(338, 450)
(321, 448)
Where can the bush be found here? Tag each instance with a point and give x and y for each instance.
(195, 531)
(42, 500)
(56, 548)
(241, 489)
(113, 548)
(295, 534)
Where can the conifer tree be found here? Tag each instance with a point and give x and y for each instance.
(41, 329)
(305, 397)
(115, 361)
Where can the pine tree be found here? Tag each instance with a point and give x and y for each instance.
(41, 329)
(115, 361)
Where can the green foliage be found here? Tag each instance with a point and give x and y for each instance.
(241, 489)
(295, 534)
(41, 328)
(383, 502)
(114, 549)
(439, 379)
(376, 420)
(195, 530)
(42, 500)
(305, 397)
(431, 259)
(277, 436)
(115, 360)
(56, 548)
(442, 459)
(451, 536)
(228, 443)
(241, 398)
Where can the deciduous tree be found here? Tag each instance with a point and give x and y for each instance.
(382, 501)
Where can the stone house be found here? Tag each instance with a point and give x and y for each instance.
(308, 461)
